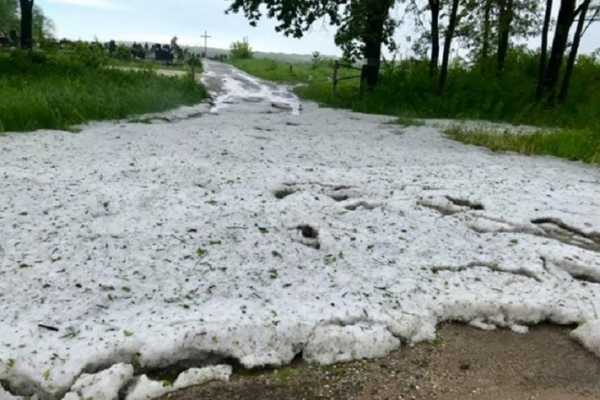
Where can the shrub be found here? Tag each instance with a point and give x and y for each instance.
(241, 50)
(123, 53)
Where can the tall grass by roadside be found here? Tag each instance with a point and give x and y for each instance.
(56, 91)
(406, 89)
(582, 145)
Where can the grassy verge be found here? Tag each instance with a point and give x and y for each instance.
(472, 92)
(582, 145)
(41, 91)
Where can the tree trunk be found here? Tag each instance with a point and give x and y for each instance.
(434, 6)
(485, 45)
(565, 18)
(505, 20)
(564, 89)
(447, 45)
(26, 23)
(375, 18)
(370, 71)
(544, 52)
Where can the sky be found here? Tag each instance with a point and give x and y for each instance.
(159, 20)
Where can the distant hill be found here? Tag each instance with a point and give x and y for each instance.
(284, 57)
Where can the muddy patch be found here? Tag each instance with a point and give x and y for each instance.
(462, 363)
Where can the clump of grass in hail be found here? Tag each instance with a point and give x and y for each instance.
(58, 90)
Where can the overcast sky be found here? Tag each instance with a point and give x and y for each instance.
(160, 20)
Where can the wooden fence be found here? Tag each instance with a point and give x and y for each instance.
(336, 67)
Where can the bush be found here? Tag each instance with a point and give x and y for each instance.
(317, 60)
(241, 50)
(123, 53)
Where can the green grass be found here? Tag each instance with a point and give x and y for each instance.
(406, 90)
(407, 121)
(581, 145)
(286, 373)
(57, 91)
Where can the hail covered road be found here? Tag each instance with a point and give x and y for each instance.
(259, 228)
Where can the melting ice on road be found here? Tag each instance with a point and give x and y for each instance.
(229, 85)
(259, 236)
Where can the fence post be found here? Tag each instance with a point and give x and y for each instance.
(363, 77)
(193, 67)
(336, 66)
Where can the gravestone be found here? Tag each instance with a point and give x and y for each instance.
(138, 51)
(14, 37)
(4, 41)
(163, 53)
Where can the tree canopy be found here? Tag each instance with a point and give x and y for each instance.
(9, 14)
(10, 18)
(358, 22)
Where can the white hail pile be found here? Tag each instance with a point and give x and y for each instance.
(258, 234)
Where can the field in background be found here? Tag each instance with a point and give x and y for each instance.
(407, 91)
(59, 90)
(314, 73)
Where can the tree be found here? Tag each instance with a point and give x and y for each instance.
(9, 18)
(488, 28)
(366, 26)
(448, 35)
(566, 16)
(26, 23)
(564, 89)
(430, 36)
(505, 19)
(43, 27)
(544, 51)
(363, 25)
(434, 8)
